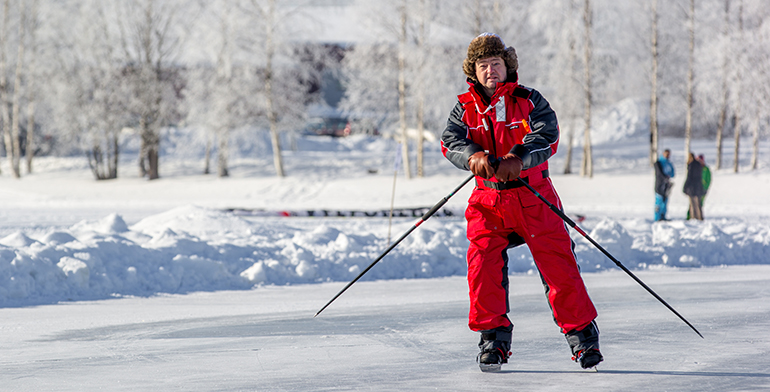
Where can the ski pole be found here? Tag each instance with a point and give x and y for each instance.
(569, 221)
(423, 219)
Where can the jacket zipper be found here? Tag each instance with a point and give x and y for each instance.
(491, 129)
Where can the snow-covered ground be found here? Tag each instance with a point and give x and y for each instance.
(131, 284)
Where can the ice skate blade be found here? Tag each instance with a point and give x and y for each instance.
(592, 369)
(490, 367)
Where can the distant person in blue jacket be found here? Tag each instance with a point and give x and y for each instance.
(664, 172)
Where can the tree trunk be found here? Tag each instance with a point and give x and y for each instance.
(421, 50)
(30, 145)
(207, 155)
(573, 105)
(153, 162)
(94, 160)
(402, 93)
(153, 148)
(738, 82)
(147, 45)
(654, 135)
(586, 169)
(272, 116)
(150, 150)
(143, 147)
(725, 89)
(222, 152)
(154, 152)
(5, 115)
(275, 141)
(104, 162)
(420, 138)
(690, 71)
(755, 143)
(113, 167)
(31, 79)
(16, 110)
(737, 133)
(570, 140)
(721, 128)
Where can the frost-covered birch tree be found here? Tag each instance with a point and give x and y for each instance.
(92, 95)
(378, 80)
(432, 61)
(15, 150)
(690, 77)
(124, 55)
(220, 84)
(754, 70)
(737, 110)
(565, 70)
(5, 115)
(654, 131)
(150, 45)
(402, 41)
(286, 69)
(586, 166)
(761, 91)
(424, 16)
(435, 72)
(33, 76)
(725, 92)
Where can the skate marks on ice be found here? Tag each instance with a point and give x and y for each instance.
(394, 335)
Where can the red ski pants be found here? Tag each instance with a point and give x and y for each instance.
(500, 219)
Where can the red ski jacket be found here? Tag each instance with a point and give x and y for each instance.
(517, 119)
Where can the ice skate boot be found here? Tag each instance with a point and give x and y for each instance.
(585, 346)
(495, 346)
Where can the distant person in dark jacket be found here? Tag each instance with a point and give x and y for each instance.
(706, 182)
(664, 172)
(693, 186)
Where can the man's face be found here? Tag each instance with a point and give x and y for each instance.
(667, 154)
(490, 71)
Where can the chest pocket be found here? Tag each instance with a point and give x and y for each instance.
(500, 127)
(500, 110)
(519, 129)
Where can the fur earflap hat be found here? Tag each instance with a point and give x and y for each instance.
(490, 45)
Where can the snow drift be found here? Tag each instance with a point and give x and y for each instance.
(199, 249)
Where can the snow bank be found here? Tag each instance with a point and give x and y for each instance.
(197, 249)
(627, 119)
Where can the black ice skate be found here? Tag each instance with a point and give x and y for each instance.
(492, 361)
(495, 348)
(588, 358)
(585, 346)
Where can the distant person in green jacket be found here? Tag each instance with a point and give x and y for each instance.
(706, 179)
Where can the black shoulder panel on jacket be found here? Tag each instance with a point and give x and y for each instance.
(520, 92)
(458, 147)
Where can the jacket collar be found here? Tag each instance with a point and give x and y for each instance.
(480, 98)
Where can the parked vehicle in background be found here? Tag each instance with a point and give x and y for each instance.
(336, 127)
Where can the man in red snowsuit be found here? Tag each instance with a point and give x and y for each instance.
(500, 131)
